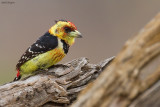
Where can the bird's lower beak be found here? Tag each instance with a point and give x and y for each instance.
(79, 36)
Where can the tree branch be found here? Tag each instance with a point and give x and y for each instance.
(57, 87)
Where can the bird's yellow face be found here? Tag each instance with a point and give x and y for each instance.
(66, 31)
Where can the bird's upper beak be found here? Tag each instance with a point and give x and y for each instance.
(76, 34)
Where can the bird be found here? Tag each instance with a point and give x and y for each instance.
(48, 50)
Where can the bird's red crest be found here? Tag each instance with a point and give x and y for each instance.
(72, 25)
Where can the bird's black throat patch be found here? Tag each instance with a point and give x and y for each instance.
(65, 46)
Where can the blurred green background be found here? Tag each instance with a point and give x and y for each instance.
(104, 24)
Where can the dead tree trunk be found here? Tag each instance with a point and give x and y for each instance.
(132, 79)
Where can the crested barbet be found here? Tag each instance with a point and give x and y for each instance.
(48, 49)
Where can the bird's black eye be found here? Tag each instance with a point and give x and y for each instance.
(67, 29)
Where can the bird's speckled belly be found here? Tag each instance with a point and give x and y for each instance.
(42, 61)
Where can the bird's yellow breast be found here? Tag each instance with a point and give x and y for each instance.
(42, 61)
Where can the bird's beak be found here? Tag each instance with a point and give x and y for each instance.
(76, 34)
(79, 35)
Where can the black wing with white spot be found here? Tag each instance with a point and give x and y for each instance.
(45, 43)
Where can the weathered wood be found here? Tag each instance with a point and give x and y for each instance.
(135, 69)
(57, 87)
(150, 98)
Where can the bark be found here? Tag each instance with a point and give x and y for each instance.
(132, 79)
(58, 87)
